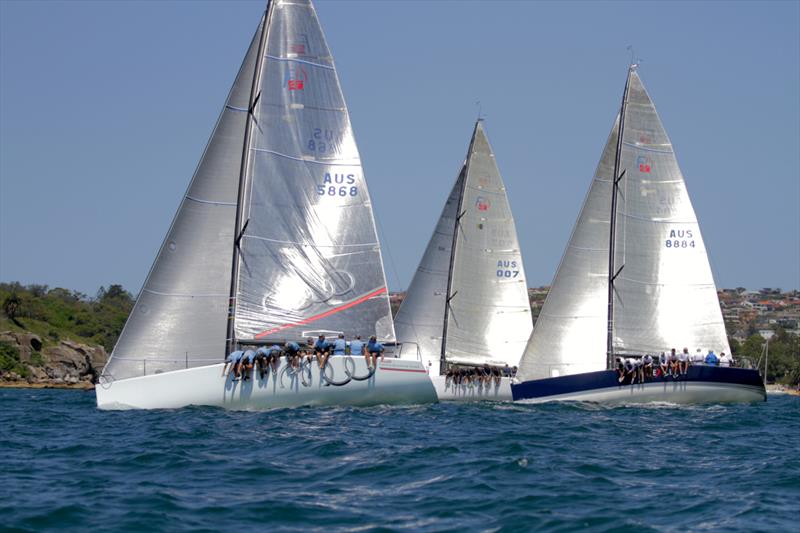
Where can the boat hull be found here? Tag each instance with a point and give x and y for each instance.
(446, 390)
(397, 381)
(701, 385)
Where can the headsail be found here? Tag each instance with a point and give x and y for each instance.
(488, 316)
(309, 256)
(180, 314)
(420, 319)
(664, 295)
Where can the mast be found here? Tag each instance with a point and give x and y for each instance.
(459, 214)
(612, 275)
(238, 231)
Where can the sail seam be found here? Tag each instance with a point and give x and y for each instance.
(234, 108)
(186, 295)
(304, 160)
(678, 284)
(320, 65)
(658, 220)
(309, 244)
(639, 147)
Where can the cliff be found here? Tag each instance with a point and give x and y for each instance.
(28, 362)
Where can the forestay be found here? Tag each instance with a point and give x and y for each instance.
(180, 316)
(473, 262)
(309, 256)
(664, 294)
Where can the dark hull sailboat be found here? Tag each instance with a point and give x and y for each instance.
(634, 280)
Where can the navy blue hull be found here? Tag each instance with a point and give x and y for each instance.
(606, 381)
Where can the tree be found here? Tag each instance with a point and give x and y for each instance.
(10, 307)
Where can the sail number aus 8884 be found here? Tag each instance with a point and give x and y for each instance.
(679, 238)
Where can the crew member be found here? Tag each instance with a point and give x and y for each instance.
(374, 349)
(292, 351)
(231, 363)
(322, 350)
(339, 345)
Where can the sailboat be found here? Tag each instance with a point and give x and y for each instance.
(274, 241)
(635, 279)
(467, 305)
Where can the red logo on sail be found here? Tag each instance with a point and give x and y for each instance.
(482, 204)
(645, 165)
(296, 78)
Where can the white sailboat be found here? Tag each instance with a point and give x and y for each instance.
(467, 305)
(635, 279)
(274, 241)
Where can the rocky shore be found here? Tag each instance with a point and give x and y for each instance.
(63, 364)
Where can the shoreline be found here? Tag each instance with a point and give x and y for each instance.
(26, 385)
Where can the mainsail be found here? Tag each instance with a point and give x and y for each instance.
(664, 291)
(280, 191)
(309, 254)
(469, 298)
(180, 315)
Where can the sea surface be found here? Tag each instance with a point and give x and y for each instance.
(445, 467)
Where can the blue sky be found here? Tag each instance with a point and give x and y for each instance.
(105, 108)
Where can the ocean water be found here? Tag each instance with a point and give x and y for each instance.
(445, 467)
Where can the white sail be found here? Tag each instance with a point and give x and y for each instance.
(309, 258)
(420, 319)
(570, 333)
(479, 271)
(180, 315)
(664, 293)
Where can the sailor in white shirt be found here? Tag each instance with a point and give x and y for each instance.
(724, 360)
(683, 361)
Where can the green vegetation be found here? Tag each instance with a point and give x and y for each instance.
(784, 355)
(10, 361)
(56, 314)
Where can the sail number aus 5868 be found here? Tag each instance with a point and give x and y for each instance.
(679, 238)
(337, 185)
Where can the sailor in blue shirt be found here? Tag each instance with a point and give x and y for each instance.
(262, 360)
(232, 362)
(357, 346)
(339, 345)
(292, 350)
(322, 350)
(374, 349)
(711, 358)
(246, 364)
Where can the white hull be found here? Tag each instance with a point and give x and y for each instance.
(678, 392)
(397, 381)
(448, 391)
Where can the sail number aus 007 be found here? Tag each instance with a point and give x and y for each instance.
(337, 185)
(679, 238)
(507, 269)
